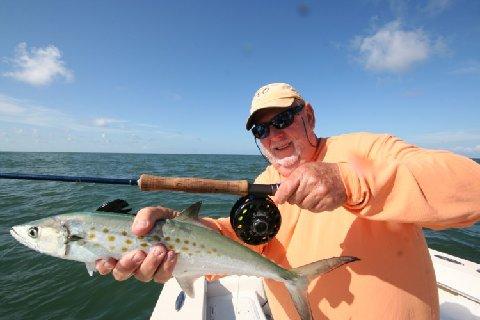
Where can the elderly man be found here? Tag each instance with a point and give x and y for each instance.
(360, 194)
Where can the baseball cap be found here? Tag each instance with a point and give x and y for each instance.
(273, 95)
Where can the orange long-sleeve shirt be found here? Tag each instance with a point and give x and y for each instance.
(393, 190)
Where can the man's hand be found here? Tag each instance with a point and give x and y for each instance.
(315, 186)
(158, 264)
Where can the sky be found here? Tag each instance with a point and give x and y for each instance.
(179, 76)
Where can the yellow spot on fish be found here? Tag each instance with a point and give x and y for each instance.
(128, 241)
(124, 233)
(167, 238)
(209, 252)
(177, 240)
(124, 249)
(184, 249)
(105, 230)
(156, 238)
(214, 250)
(170, 247)
(144, 244)
(140, 238)
(111, 238)
(194, 244)
(186, 241)
(91, 236)
(96, 244)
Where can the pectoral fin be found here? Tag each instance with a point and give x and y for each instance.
(90, 268)
(186, 283)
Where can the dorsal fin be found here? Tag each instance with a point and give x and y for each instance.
(192, 211)
(116, 206)
(190, 215)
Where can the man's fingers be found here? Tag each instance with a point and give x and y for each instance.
(146, 217)
(151, 263)
(104, 267)
(286, 189)
(127, 265)
(164, 272)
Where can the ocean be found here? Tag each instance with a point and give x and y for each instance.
(36, 286)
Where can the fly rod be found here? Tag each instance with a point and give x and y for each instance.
(156, 183)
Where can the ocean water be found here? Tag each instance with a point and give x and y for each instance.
(35, 286)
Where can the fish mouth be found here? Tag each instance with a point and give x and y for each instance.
(14, 231)
(15, 234)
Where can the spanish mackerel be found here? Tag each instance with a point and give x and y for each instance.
(87, 237)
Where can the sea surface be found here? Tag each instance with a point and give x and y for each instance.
(36, 286)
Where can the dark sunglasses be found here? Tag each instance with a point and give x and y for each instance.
(280, 121)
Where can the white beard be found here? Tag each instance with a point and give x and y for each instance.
(287, 161)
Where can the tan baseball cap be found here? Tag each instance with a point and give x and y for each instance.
(273, 95)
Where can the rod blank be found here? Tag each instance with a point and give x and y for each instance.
(46, 177)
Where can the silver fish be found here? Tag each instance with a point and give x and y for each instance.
(87, 237)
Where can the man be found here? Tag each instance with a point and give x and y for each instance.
(363, 195)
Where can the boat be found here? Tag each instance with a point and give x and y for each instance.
(243, 297)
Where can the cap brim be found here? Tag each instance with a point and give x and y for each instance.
(272, 104)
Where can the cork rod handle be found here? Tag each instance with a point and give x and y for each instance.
(196, 185)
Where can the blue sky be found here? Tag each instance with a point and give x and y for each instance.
(178, 76)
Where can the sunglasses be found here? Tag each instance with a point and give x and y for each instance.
(280, 121)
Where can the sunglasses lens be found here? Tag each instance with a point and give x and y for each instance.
(283, 120)
(260, 131)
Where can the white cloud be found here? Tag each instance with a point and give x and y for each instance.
(9, 107)
(434, 7)
(105, 122)
(39, 66)
(393, 49)
(449, 137)
(468, 150)
(472, 67)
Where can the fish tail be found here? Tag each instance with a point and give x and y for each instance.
(297, 286)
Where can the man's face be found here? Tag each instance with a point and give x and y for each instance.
(285, 148)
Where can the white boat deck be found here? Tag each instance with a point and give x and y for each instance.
(242, 297)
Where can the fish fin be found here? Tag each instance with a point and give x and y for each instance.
(192, 211)
(297, 286)
(115, 206)
(90, 268)
(317, 268)
(186, 283)
(191, 215)
(298, 293)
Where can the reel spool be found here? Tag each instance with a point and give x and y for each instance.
(255, 219)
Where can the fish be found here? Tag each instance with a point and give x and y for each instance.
(89, 236)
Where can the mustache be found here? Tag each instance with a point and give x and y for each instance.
(286, 161)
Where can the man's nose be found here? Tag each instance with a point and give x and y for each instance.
(276, 133)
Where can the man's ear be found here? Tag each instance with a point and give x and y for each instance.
(310, 115)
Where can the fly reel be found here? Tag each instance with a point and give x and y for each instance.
(255, 219)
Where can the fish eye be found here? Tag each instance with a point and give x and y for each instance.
(33, 232)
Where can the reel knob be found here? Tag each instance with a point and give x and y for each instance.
(255, 219)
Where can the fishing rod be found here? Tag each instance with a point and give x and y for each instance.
(254, 217)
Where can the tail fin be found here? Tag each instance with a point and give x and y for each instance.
(297, 287)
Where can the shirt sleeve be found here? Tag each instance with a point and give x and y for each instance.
(392, 180)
